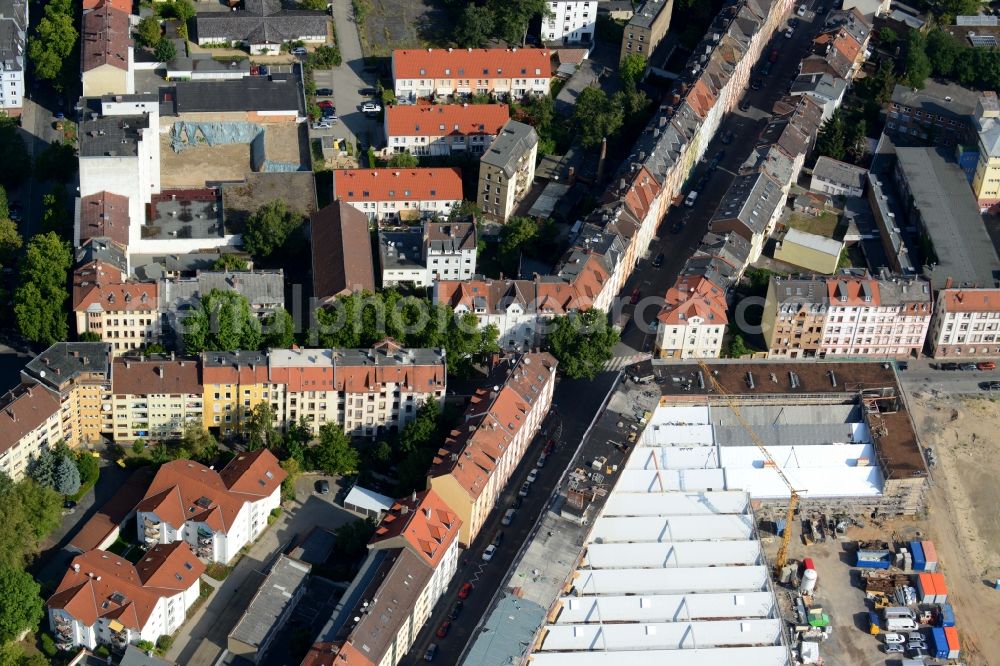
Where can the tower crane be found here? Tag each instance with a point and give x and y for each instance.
(793, 500)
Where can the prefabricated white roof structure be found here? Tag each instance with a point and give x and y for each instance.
(671, 581)
(663, 635)
(623, 503)
(368, 499)
(728, 656)
(687, 554)
(665, 607)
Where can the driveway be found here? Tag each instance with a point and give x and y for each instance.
(204, 636)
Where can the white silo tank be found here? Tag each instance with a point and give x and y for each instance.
(808, 584)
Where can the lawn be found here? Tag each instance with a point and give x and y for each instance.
(825, 224)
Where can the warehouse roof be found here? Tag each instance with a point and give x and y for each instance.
(278, 92)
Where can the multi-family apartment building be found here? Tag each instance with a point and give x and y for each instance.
(234, 383)
(570, 21)
(29, 424)
(13, 59)
(442, 73)
(850, 314)
(106, 52)
(399, 194)
(966, 323)
(123, 313)
(155, 397)
(216, 513)
(443, 129)
(986, 181)
(365, 391)
(693, 320)
(507, 170)
(103, 599)
(751, 208)
(646, 28)
(832, 176)
(475, 462)
(939, 114)
(438, 251)
(412, 557)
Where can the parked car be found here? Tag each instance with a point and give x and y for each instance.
(801, 11)
(69, 504)
(541, 460)
(465, 590)
(745, 105)
(893, 638)
(498, 538)
(756, 83)
(990, 386)
(903, 365)
(299, 51)
(324, 92)
(370, 107)
(456, 610)
(432, 651)
(533, 475)
(550, 445)
(262, 70)
(766, 69)
(986, 365)
(793, 22)
(323, 487)
(968, 366)
(895, 647)
(15, 212)
(322, 124)
(658, 260)
(525, 489)
(949, 366)
(367, 92)
(489, 553)
(789, 33)
(443, 629)
(773, 57)
(508, 516)
(727, 137)
(516, 504)
(634, 298)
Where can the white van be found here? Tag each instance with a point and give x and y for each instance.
(508, 517)
(691, 198)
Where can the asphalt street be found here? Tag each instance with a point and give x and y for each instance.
(575, 402)
(919, 376)
(682, 229)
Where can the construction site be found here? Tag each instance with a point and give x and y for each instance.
(752, 513)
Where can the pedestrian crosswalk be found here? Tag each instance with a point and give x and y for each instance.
(620, 362)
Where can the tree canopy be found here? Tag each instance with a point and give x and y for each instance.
(30, 512)
(475, 26)
(596, 117)
(222, 321)
(918, 66)
(403, 160)
(632, 68)
(20, 602)
(165, 51)
(41, 296)
(54, 42)
(57, 162)
(10, 238)
(147, 32)
(268, 228)
(582, 343)
(333, 454)
(230, 261)
(832, 136)
(16, 163)
(279, 330)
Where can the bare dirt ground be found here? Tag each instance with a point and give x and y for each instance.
(195, 166)
(963, 519)
(399, 24)
(283, 143)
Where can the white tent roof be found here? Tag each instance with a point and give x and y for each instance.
(684, 554)
(681, 415)
(671, 581)
(657, 529)
(744, 656)
(634, 480)
(665, 607)
(662, 635)
(368, 499)
(621, 503)
(672, 435)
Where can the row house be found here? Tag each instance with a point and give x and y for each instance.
(443, 73)
(155, 397)
(570, 21)
(750, 208)
(412, 557)
(472, 467)
(215, 513)
(365, 391)
(399, 194)
(234, 383)
(966, 323)
(851, 314)
(693, 320)
(106, 52)
(105, 600)
(443, 129)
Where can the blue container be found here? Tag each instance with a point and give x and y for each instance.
(919, 561)
(873, 559)
(939, 643)
(947, 615)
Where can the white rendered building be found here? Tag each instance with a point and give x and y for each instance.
(570, 21)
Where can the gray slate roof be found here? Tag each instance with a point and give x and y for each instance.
(266, 609)
(261, 22)
(262, 289)
(515, 139)
(278, 92)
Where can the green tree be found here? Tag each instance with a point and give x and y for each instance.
(182, 10)
(887, 36)
(259, 428)
(16, 163)
(88, 336)
(475, 26)
(56, 216)
(333, 454)
(88, 466)
(230, 261)
(41, 295)
(314, 5)
(517, 237)
(42, 468)
(953, 8)
(138, 446)
(20, 603)
(165, 51)
(632, 69)
(918, 66)
(67, 476)
(403, 160)
(147, 32)
(57, 162)
(164, 643)
(268, 228)
(832, 137)
(279, 330)
(54, 42)
(596, 117)
(222, 321)
(943, 52)
(382, 454)
(198, 442)
(511, 18)
(293, 470)
(30, 512)
(582, 343)
(856, 143)
(738, 347)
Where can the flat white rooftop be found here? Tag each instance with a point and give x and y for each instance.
(623, 503)
(660, 529)
(665, 607)
(666, 555)
(671, 581)
(726, 656)
(663, 635)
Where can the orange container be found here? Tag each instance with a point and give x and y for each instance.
(940, 588)
(951, 633)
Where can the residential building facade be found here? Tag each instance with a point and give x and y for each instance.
(216, 513)
(986, 181)
(507, 170)
(570, 21)
(439, 251)
(472, 468)
(13, 58)
(399, 194)
(103, 599)
(30, 424)
(106, 57)
(966, 324)
(443, 129)
(832, 176)
(646, 28)
(940, 114)
(155, 398)
(234, 383)
(125, 314)
(443, 73)
(693, 320)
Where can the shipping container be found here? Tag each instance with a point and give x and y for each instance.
(925, 588)
(947, 615)
(940, 588)
(873, 559)
(918, 556)
(930, 556)
(951, 635)
(939, 643)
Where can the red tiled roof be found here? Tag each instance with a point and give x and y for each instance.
(852, 287)
(108, 296)
(472, 64)
(105, 38)
(104, 215)
(341, 251)
(24, 409)
(171, 566)
(179, 492)
(130, 376)
(256, 473)
(428, 184)
(424, 521)
(123, 5)
(445, 119)
(970, 300)
(694, 297)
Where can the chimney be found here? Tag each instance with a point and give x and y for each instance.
(948, 283)
(602, 158)
(571, 176)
